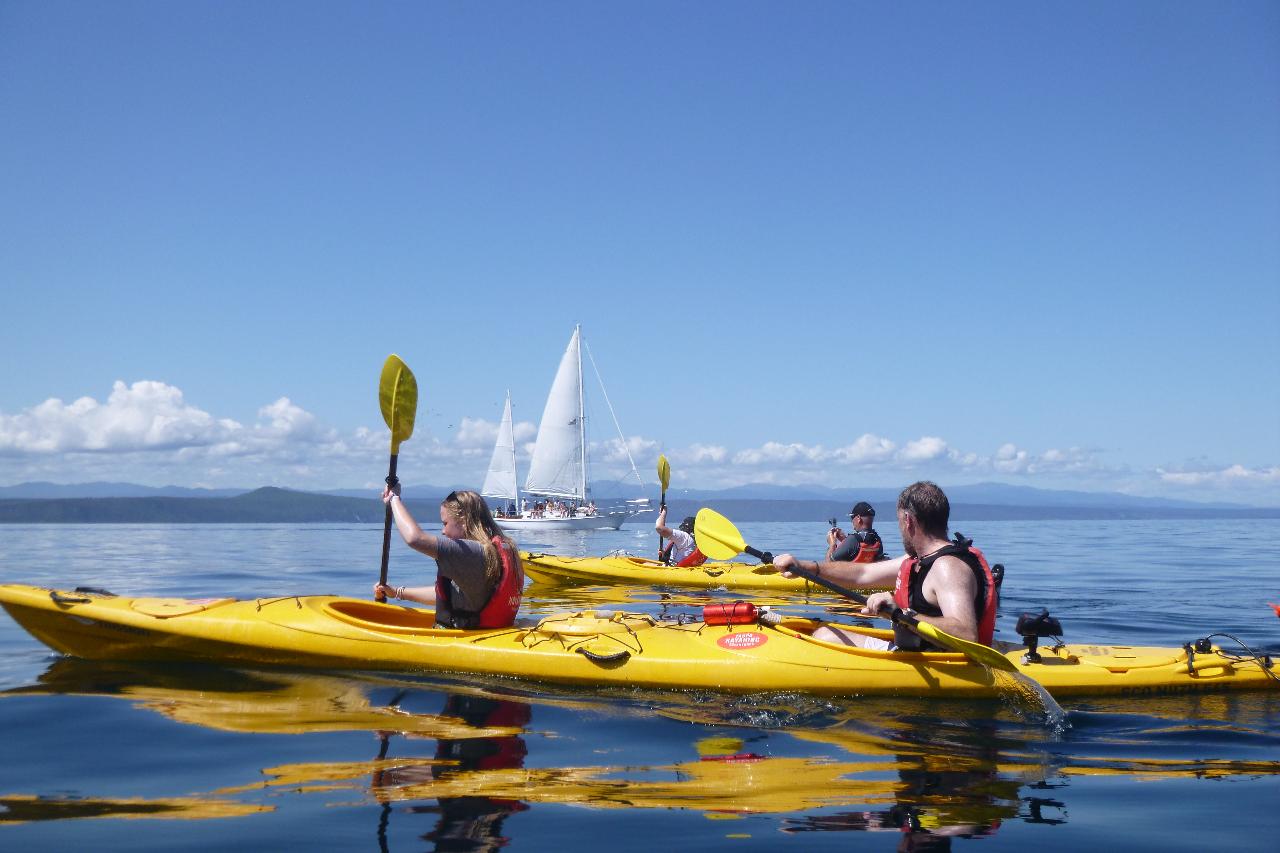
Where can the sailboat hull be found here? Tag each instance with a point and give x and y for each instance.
(608, 521)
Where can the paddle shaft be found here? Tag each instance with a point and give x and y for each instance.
(821, 581)
(662, 504)
(386, 530)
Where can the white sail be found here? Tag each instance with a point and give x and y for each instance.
(559, 466)
(500, 482)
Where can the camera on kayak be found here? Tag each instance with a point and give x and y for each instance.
(1031, 627)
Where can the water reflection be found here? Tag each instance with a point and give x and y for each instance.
(447, 763)
(28, 808)
(467, 822)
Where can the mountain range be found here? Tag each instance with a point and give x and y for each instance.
(132, 503)
(1001, 494)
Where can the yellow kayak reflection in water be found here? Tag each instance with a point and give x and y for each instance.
(459, 753)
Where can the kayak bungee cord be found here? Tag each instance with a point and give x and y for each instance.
(1203, 645)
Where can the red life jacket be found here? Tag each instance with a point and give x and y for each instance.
(696, 558)
(500, 610)
(489, 753)
(868, 552)
(908, 592)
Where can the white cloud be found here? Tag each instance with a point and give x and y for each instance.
(476, 432)
(924, 449)
(147, 432)
(480, 433)
(614, 451)
(697, 454)
(773, 452)
(143, 416)
(1009, 459)
(284, 418)
(1222, 477)
(867, 450)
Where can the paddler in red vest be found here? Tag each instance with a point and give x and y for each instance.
(947, 583)
(863, 545)
(479, 579)
(682, 550)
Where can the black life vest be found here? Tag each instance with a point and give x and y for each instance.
(908, 592)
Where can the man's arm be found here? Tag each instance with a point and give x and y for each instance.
(660, 524)
(845, 551)
(881, 575)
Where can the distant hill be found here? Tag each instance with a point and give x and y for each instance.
(990, 501)
(110, 490)
(263, 506)
(991, 494)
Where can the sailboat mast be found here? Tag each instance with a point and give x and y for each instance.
(582, 418)
(515, 481)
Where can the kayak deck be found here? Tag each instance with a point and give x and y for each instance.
(591, 648)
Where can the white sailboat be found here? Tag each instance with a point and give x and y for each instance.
(558, 480)
(500, 482)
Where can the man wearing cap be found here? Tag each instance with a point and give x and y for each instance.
(864, 545)
(682, 550)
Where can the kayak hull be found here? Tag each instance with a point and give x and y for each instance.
(595, 649)
(640, 571)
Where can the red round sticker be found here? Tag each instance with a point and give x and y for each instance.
(742, 640)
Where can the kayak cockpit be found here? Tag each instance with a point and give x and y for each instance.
(392, 618)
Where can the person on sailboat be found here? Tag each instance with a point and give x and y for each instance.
(682, 550)
(479, 578)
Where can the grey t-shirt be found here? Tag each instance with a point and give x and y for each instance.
(462, 562)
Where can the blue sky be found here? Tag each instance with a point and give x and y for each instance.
(838, 243)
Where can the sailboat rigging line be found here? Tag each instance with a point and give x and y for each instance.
(625, 446)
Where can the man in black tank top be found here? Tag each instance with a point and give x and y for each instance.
(949, 588)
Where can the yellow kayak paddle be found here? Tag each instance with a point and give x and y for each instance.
(398, 398)
(664, 478)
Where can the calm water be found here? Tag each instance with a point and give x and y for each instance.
(133, 757)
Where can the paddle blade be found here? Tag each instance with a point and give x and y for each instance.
(974, 651)
(664, 472)
(398, 397)
(716, 535)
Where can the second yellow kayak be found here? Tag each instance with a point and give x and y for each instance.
(640, 571)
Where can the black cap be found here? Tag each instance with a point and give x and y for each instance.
(687, 525)
(863, 508)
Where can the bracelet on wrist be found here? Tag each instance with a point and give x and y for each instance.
(399, 593)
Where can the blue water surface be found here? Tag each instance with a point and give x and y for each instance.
(144, 756)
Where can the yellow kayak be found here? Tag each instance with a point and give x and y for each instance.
(641, 571)
(591, 648)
